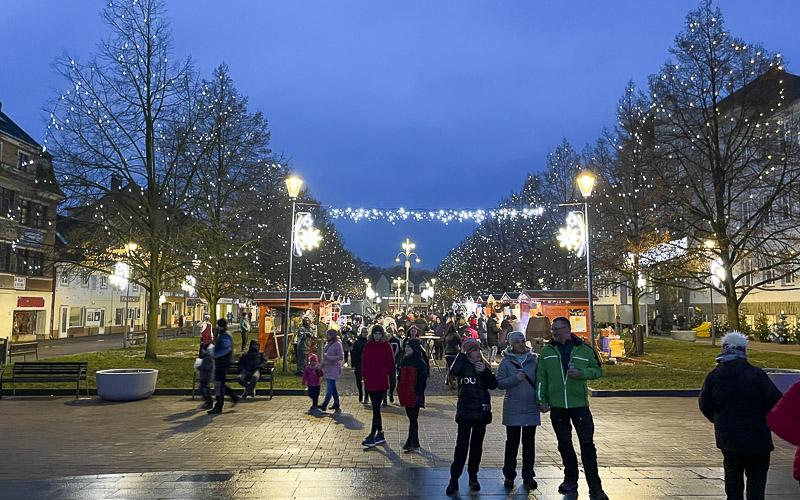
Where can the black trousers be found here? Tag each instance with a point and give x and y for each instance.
(563, 420)
(249, 380)
(346, 356)
(753, 465)
(376, 398)
(313, 393)
(244, 340)
(468, 440)
(359, 383)
(205, 390)
(528, 434)
(413, 425)
(392, 381)
(302, 359)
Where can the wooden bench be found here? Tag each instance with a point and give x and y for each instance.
(23, 349)
(136, 338)
(232, 375)
(43, 371)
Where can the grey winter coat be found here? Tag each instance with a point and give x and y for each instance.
(519, 403)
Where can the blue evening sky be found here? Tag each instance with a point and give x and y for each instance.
(429, 104)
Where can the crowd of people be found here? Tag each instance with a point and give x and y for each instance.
(387, 355)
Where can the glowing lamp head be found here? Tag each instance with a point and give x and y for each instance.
(397, 259)
(293, 185)
(710, 244)
(131, 246)
(417, 259)
(586, 183)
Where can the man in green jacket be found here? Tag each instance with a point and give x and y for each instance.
(565, 364)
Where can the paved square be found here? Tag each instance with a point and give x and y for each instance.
(166, 447)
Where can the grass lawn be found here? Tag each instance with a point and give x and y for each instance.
(174, 364)
(675, 365)
(678, 365)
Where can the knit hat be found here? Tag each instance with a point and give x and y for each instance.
(514, 336)
(312, 358)
(222, 323)
(734, 341)
(470, 345)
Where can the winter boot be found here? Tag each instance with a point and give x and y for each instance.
(217, 407)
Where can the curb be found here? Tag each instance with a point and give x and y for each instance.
(646, 393)
(158, 392)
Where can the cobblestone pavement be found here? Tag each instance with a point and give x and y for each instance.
(63, 448)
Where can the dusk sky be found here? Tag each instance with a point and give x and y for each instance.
(419, 104)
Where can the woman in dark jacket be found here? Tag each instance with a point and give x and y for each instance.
(411, 389)
(473, 412)
(492, 336)
(736, 397)
(452, 346)
(358, 350)
(439, 329)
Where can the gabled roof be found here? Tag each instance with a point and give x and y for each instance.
(765, 91)
(11, 129)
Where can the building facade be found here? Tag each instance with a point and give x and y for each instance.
(29, 197)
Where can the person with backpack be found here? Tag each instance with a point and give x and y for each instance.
(517, 375)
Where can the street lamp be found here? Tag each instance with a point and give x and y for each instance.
(407, 253)
(433, 291)
(716, 272)
(129, 247)
(369, 293)
(586, 183)
(398, 282)
(293, 185)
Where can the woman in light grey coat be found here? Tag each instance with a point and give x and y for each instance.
(517, 375)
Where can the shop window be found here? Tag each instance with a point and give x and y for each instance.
(75, 316)
(27, 322)
(119, 316)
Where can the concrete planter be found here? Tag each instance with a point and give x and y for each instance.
(783, 378)
(685, 335)
(126, 384)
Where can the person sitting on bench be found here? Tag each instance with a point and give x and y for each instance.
(250, 365)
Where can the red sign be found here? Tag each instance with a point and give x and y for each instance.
(30, 302)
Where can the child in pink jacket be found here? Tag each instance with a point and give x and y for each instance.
(312, 376)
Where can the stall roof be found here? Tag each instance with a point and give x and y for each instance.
(296, 296)
(558, 294)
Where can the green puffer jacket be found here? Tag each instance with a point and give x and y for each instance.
(554, 387)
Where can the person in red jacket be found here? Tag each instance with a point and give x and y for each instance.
(377, 362)
(784, 420)
(411, 390)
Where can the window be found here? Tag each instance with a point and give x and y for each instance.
(27, 322)
(747, 280)
(747, 211)
(64, 279)
(134, 287)
(32, 214)
(103, 281)
(6, 202)
(85, 280)
(21, 261)
(615, 290)
(22, 161)
(785, 208)
(788, 280)
(769, 273)
(75, 316)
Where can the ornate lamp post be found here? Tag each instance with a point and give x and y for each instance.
(586, 183)
(407, 253)
(398, 282)
(293, 185)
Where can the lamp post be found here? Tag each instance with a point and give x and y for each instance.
(129, 247)
(433, 292)
(586, 184)
(407, 253)
(293, 185)
(715, 272)
(368, 294)
(398, 282)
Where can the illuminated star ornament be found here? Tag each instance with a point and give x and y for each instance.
(573, 235)
(306, 236)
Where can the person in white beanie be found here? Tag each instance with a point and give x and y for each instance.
(736, 396)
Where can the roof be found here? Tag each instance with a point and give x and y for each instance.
(766, 91)
(558, 294)
(11, 129)
(296, 295)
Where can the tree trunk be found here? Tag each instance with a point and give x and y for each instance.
(635, 298)
(153, 310)
(733, 312)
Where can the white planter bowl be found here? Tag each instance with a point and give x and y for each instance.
(126, 384)
(783, 378)
(685, 335)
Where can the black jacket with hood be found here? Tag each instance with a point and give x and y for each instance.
(736, 397)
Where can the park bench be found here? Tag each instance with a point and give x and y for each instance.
(136, 338)
(43, 371)
(267, 375)
(23, 349)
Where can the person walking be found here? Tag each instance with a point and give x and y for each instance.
(355, 361)
(565, 364)
(223, 357)
(505, 329)
(517, 375)
(205, 367)
(332, 368)
(312, 375)
(492, 337)
(206, 336)
(473, 412)
(482, 329)
(737, 396)
(452, 346)
(439, 329)
(784, 420)
(411, 390)
(394, 341)
(377, 363)
(244, 328)
(348, 339)
(303, 345)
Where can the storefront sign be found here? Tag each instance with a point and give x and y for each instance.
(30, 302)
(129, 298)
(20, 283)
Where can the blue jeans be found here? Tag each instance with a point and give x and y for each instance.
(331, 390)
